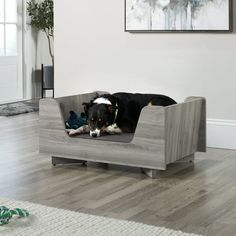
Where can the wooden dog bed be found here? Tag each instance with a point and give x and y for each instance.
(163, 135)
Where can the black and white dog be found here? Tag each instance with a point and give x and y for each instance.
(117, 113)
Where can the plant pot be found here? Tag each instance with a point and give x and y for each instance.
(47, 78)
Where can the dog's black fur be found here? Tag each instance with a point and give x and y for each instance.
(123, 111)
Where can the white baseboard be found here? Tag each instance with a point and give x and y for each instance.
(221, 133)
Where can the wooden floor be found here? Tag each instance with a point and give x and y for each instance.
(197, 198)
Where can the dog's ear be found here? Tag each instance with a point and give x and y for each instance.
(112, 108)
(87, 105)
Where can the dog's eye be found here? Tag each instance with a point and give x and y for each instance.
(100, 120)
(92, 119)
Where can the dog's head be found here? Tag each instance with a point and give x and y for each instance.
(101, 114)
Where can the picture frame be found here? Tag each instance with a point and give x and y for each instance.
(164, 17)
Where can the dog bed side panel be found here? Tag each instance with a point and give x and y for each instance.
(52, 116)
(183, 123)
(51, 125)
(201, 145)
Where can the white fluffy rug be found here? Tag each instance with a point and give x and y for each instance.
(45, 220)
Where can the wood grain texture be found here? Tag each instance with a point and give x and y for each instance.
(194, 197)
(163, 134)
(183, 128)
(201, 144)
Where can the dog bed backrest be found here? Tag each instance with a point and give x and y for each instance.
(74, 103)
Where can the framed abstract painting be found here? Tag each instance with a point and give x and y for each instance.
(178, 15)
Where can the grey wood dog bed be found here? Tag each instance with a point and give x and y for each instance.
(163, 135)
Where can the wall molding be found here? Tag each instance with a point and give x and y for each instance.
(221, 133)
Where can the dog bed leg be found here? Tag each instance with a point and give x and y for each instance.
(61, 160)
(150, 172)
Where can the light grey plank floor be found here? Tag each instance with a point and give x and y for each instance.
(197, 198)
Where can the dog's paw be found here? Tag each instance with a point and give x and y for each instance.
(113, 129)
(71, 132)
(81, 130)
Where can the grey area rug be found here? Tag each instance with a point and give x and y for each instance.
(45, 220)
(16, 108)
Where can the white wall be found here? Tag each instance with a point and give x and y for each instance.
(36, 52)
(92, 52)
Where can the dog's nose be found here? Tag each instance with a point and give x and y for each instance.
(94, 135)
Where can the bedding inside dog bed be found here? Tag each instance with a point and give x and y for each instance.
(122, 138)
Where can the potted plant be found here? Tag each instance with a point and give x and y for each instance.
(41, 15)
